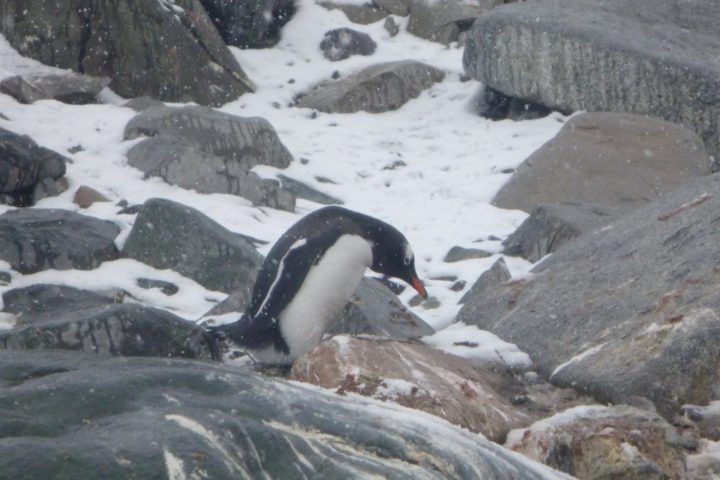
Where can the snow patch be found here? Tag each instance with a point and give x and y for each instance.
(174, 466)
(577, 358)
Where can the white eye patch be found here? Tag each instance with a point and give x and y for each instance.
(409, 255)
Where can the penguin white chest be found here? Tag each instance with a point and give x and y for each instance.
(325, 291)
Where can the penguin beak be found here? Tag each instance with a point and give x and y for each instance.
(417, 285)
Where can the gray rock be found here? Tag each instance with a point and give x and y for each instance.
(25, 164)
(20, 89)
(443, 20)
(171, 235)
(250, 140)
(395, 7)
(179, 163)
(113, 329)
(85, 196)
(495, 105)
(168, 288)
(69, 87)
(375, 310)
(165, 49)
(550, 226)
(249, 24)
(375, 89)
(300, 190)
(616, 160)
(41, 303)
(644, 57)
(364, 14)
(391, 26)
(458, 254)
(490, 278)
(32, 240)
(79, 417)
(48, 187)
(343, 43)
(140, 104)
(624, 312)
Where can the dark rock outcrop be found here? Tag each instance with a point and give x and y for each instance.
(646, 57)
(343, 43)
(616, 160)
(627, 311)
(249, 24)
(170, 235)
(39, 239)
(375, 89)
(169, 50)
(80, 417)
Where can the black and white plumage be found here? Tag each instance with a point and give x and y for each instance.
(309, 276)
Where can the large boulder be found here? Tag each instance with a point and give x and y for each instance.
(74, 416)
(249, 24)
(167, 49)
(111, 329)
(65, 87)
(647, 57)
(170, 235)
(23, 165)
(628, 312)
(248, 140)
(32, 240)
(181, 164)
(443, 20)
(376, 89)
(604, 443)
(375, 310)
(41, 303)
(610, 159)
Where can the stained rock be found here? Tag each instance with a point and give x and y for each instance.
(376, 89)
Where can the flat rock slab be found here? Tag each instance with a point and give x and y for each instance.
(615, 160)
(648, 57)
(626, 312)
(168, 49)
(32, 240)
(250, 140)
(82, 417)
(376, 89)
(66, 87)
(375, 310)
(604, 442)
(170, 235)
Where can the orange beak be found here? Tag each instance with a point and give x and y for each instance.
(417, 285)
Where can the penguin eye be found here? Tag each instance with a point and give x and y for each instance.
(407, 260)
(409, 255)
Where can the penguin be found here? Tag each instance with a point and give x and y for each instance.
(309, 276)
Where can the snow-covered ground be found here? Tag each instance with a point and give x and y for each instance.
(453, 160)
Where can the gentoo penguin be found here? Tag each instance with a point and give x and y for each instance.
(309, 276)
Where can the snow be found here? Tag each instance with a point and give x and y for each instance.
(577, 358)
(454, 162)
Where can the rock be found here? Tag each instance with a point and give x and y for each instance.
(235, 302)
(171, 235)
(705, 464)
(364, 14)
(391, 26)
(606, 55)
(251, 140)
(443, 20)
(120, 329)
(495, 105)
(604, 442)
(706, 417)
(168, 288)
(140, 104)
(24, 165)
(661, 342)
(550, 226)
(343, 43)
(39, 239)
(76, 416)
(458, 254)
(375, 89)
(414, 376)
(67, 87)
(49, 188)
(395, 7)
(610, 159)
(495, 275)
(375, 310)
(85, 196)
(165, 49)
(179, 163)
(249, 24)
(300, 190)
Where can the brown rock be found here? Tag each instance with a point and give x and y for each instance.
(598, 442)
(421, 377)
(86, 196)
(616, 160)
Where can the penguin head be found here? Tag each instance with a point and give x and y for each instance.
(393, 257)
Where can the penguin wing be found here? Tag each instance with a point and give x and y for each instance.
(278, 284)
